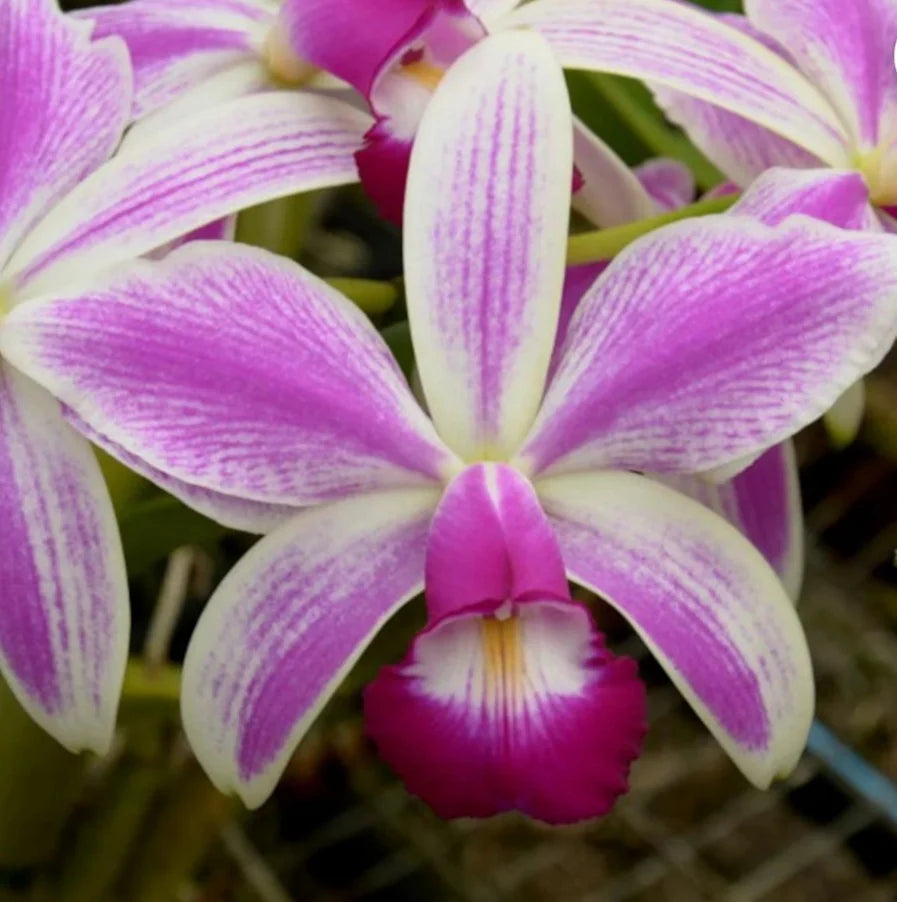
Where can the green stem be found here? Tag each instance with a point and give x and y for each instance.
(104, 841)
(178, 837)
(371, 296)
(604, 244)
(39, 784)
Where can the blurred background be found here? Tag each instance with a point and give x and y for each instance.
(144, 825)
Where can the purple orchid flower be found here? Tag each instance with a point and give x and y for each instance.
(191, 54)
(67, 211)
(255, 391)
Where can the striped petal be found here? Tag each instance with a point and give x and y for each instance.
(65, 104)
(234, 370)
(763, 501)
(494, 148)
(64, 629)
(509, 698)
(705, 602)
(846, 48)
(176, 44)
(737, 146)
(679, 46)
(836, 196)
(670, 364)
(233, 156)
(669, 183)
(286, 625)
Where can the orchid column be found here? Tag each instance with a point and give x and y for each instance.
(699, 347)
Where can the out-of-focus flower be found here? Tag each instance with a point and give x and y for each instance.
(66, 212)
(188, 55)
(701, 345)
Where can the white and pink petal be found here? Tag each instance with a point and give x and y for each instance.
(233, 370)
(704, 600)
(494, 147)
(286, 625)
(65, 105)
(64, 629)
(234, 155)
(670, 363)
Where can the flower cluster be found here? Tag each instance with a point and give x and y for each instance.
(623, 426)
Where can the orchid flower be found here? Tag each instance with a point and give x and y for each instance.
(191, 54)
(261, 395)
(65, 213)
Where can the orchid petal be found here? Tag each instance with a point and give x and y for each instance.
(234, 370)
(286, 625)
(838, 197)
(235, 155)
(236, 80)
(577, 281)
(345, 39)
(489, 542)
(65, 105)
(763, 501)
(64, 630)
(494, 148)
(669, 183)
(528, 712)
(737, 146)
(846, 49)
(684, 48)
(231, 511)
(670, 364)
(845, 417)
(705, 602)
(611, 193)
(174, 44)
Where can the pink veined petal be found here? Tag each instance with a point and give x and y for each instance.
(705, 602)
(220, 230)
(65, 623)
(288, 623)
(230, 510)
(528, 711)
(494, 147)
(611, 193)
(577, 281)
(509, 698)
(175, 44)
(235, 155)
(681, 47)
(233, 370)
(669, 183)
(845, 417)
(670, 364)
(347, 37)
(836, 196)
(846, 48)
(737, 146)
(64, 106)
(763, 501)
(490, 542)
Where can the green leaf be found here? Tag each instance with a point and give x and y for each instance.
(152, 529)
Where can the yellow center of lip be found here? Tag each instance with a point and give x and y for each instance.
(424, 73)
(6, 297)
(503, 659)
